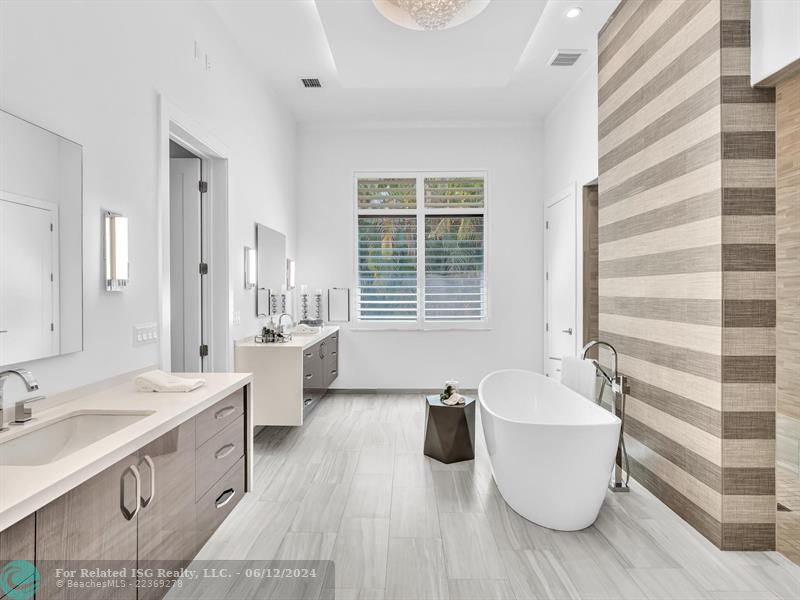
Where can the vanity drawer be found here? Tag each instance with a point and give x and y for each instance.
(218, 502)
(217, 455)
(214, 419)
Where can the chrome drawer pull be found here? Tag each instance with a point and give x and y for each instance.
(333, 371)
(307, 401)
(137, 478)
(149, 462)
(225, 497)
(334, 352)
(308, 354)
(224, 412)
(224, 451)
(309, 376)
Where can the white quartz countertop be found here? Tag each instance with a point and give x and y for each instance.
(26, 489)
(301, 341)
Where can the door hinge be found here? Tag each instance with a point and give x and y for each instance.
(203, 268)
(203, 187)
(203, 350)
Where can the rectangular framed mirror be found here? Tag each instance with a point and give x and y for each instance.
(41, 242)
(271, 267)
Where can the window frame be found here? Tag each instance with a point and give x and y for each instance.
(420, 212)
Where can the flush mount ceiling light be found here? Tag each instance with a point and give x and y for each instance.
(574, 12)
(429, 15)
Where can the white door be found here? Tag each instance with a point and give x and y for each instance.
(186, 322)
(28, 273)
(560, 272)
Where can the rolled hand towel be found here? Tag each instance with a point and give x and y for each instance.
(159, 381)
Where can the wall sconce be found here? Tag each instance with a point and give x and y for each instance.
(290, 270)
(249, 267)
(116, 251)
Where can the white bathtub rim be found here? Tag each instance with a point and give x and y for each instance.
(614, 418)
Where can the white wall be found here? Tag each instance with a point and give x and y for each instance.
(570, 137)
(92, 72)
(775, 36)
(327, 161)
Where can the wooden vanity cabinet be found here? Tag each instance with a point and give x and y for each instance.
(95, 522)
(330, 359)
(98, 521)
(18, 543)
(167, 518)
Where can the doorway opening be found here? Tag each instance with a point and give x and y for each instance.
(590, 300)
(202, 279)
(560, 281)
(188, 251)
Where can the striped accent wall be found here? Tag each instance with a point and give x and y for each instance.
(687, 259)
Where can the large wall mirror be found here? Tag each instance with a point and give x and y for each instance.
(271, 252)
(41, 263)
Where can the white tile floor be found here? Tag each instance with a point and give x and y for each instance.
(353, 486)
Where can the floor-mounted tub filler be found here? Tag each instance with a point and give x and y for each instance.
(551, 450)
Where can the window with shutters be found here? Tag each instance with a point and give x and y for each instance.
(421, 248)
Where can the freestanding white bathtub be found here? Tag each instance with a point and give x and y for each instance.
(551, 450)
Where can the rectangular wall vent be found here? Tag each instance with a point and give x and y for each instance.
(311, 82)
(565, 58)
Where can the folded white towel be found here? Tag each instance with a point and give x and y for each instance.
(579, 375)
(454, 400)
(159, 381)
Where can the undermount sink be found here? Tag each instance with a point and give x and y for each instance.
(53, 440)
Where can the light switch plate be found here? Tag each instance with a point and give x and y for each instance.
(145, 333)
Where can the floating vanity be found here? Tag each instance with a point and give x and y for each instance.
(150, 493)
(291, 377)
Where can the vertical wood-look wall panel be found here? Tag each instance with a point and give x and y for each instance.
(687, 259)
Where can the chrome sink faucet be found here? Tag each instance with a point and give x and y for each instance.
(284, 332)
(21, 414)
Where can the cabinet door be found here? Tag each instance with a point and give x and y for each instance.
(331, 359)
(167, 535)
(17, 543)
(96, 523)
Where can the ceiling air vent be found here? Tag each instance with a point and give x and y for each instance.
(311, 82)
(565, 58)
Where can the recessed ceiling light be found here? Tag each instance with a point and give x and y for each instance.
(574, 12)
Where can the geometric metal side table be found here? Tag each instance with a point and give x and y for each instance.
(449, 430)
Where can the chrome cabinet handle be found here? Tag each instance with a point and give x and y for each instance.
(308, 354)
(224, 451)
(224, 412)
(3, 330)
(138, 479)
(569, 331)
(225, 497)
(333, 371)
(334, 353)
(149, 462)
(309, 376)
(307, 401)
(321, 348)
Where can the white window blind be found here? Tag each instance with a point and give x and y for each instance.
(421, 249)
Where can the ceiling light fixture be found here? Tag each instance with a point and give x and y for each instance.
(432, 14)
(574, 12)
(429, 15)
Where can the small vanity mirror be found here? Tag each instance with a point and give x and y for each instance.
(271, 250)
(41, 263)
